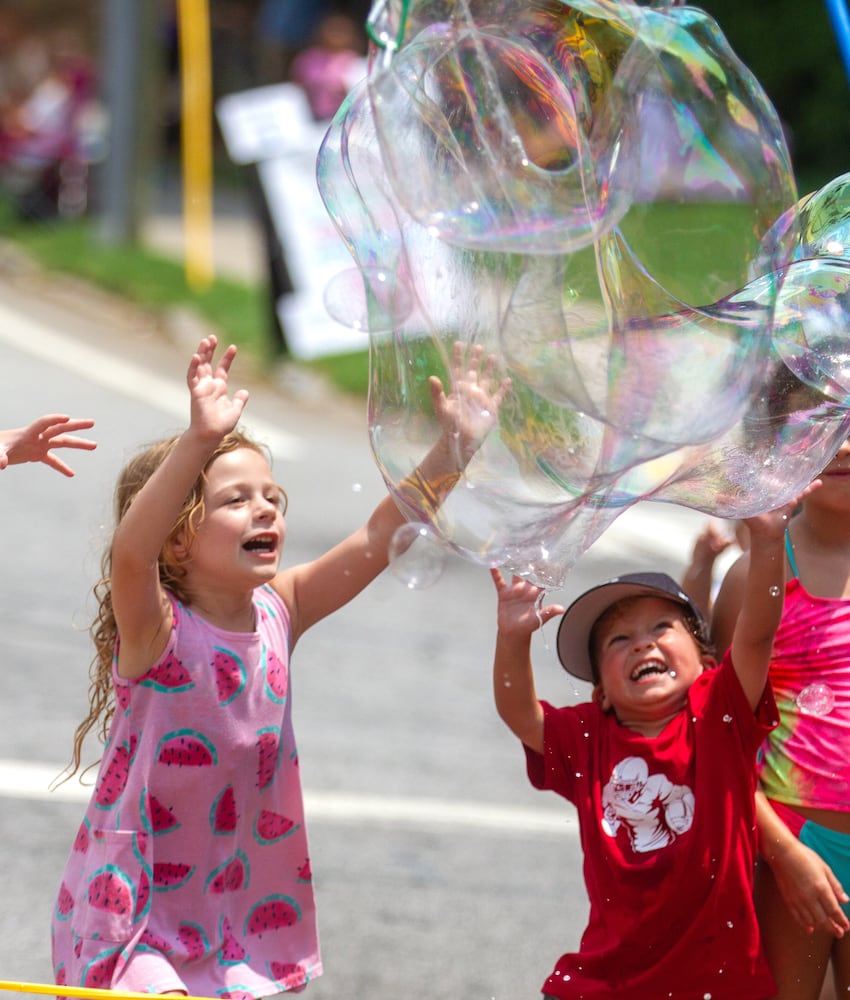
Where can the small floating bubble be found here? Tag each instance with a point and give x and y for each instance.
(416, 556)
(816, 699)
(370, 299)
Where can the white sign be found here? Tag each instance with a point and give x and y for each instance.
(273, 127)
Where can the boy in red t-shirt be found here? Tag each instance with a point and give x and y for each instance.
(661, 768)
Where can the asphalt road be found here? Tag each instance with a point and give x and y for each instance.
(439, 872)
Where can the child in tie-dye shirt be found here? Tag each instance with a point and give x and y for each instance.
(804, 811)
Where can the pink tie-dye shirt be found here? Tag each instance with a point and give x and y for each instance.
(807, 757)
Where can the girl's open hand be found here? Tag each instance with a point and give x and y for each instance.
(520, 612)
(35, 443)
(471, 408)
(772, 524)
(213, 411)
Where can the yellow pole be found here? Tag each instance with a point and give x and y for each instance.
(78, 991)
(196, 133)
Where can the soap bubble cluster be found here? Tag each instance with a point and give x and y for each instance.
(600, 194)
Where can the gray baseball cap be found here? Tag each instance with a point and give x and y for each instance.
(577, 623)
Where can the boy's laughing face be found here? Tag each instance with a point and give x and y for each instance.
(647, 660)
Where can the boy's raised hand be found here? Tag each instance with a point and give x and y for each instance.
(35, 443)
(471, 408)
(519, 610)
(214, 413)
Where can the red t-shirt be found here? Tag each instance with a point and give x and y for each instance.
(668, 835)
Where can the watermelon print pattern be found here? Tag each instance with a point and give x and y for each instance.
(169, 875)
(110, 889)
(232, 951)
(305, 872)
(223, 815)
(162, 819)
(97, 974)
(290, 975)
(277, 678)
(271, 914)
(65, 903)
(270, 827)
(268, 756)
(143, 894)
(191, 862)
(113, 779)
(231, 876)
(186, 748)
(193, 939)
(81, 841)
(155, 942)
(122, 697)
(168, 676)
(230, 675)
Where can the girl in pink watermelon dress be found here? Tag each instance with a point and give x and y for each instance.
(190, 871)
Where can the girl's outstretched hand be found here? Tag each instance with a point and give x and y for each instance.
(520, 612)
(772, 524)
(35, 443)
(213, 412)
(471, 407)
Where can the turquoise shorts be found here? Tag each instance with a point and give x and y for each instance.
(833, 847)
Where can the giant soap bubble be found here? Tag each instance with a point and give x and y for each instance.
(600, 194)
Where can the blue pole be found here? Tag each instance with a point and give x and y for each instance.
(840, 17)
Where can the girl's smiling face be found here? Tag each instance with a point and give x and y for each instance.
(647, 660)
(240, 537)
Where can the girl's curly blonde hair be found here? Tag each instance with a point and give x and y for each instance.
(172, 572)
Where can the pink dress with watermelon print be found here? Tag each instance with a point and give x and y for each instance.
(191, 868)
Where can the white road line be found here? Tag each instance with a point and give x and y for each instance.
(167, 395)
(26, 780)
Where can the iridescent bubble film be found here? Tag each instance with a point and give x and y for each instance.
(601, 195)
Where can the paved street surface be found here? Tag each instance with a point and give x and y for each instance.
(439, 872)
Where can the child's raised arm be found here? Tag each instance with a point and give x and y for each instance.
(466, 414)
(35, 443)
(762, 597)
(519, 616)
(141, 611)
(697, 578)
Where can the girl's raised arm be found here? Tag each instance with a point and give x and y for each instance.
(762, 597)
(142, 611)
(466, 415)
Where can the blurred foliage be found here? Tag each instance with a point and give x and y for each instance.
(792, 50)
(141, 277)
(238, 312)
